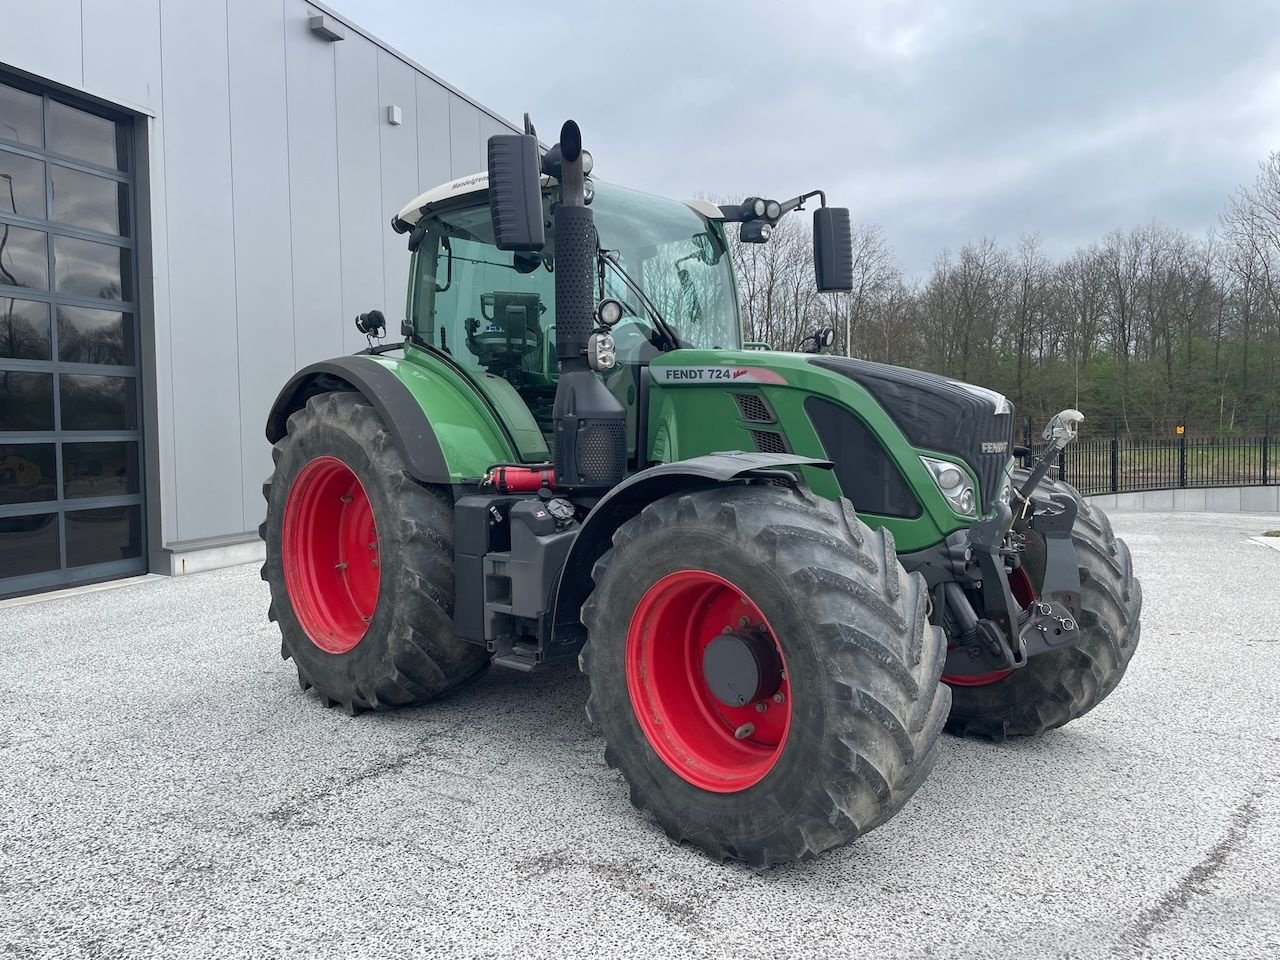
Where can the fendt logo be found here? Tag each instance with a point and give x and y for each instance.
(716, 375)
(995, 446)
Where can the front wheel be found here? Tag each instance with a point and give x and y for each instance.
(1059, 686)
(763, 671)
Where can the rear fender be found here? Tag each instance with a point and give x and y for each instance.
(630, 497)
(442, 427)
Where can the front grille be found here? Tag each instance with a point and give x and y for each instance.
(754, 408)
(769, 441)
(864, 469)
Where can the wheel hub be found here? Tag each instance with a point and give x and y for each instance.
(742, 667)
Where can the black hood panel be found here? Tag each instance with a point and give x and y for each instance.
(935, 413)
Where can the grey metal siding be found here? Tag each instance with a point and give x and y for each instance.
(397, 84)
(260, 205)
(433, 134)
(202, 272)
(273, 177)
(464, 137)
(359, 185)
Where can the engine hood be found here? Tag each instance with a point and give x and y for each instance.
(936, 413)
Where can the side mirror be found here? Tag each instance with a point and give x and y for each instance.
(833, 249)
(515, 192)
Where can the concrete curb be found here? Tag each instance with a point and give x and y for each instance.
(1195, 500)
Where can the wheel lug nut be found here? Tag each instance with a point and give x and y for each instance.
(744, 731)
(743, 621)
(761, 706)
(778, 697)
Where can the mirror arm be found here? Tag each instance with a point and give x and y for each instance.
(734, 213)
(797, 203)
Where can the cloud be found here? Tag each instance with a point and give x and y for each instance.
(941, 120)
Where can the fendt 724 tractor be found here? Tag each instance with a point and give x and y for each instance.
(784, 573)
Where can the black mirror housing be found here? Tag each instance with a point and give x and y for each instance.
(833, 249)
(515, 192)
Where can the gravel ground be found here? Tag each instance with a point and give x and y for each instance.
(166, 790)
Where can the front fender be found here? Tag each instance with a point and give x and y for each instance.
(630, 497)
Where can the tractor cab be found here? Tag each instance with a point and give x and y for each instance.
(493, 311)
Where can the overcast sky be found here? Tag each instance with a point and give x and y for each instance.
(941, 120)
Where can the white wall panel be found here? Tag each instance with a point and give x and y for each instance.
(122, 50)
(464, 138)
(434, 167)
(397, 83)
(313, 189)
(44, 38)
(360, 186)
(202, 272)
(263, 240)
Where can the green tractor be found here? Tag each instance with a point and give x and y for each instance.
(785, 573)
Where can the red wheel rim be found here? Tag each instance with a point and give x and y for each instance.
(1024, 592)
(330, 553)
(696, 735)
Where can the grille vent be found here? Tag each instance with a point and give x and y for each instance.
(753, 408)
(769, 441)
(602, 452)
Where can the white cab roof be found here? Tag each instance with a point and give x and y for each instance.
(476, 182)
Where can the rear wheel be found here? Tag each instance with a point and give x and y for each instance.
(359, 561)
(763, 671)
(1056, 687)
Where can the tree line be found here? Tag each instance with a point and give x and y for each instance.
(1141, 330)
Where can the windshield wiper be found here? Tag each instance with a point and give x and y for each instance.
(664, 328)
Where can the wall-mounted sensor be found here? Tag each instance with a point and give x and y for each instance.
(394, 116)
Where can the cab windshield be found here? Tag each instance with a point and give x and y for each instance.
(495, 310)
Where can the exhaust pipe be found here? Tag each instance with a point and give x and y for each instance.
(590, 425)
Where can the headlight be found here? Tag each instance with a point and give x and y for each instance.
(954, 484)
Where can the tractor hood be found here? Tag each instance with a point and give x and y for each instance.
(935, 413)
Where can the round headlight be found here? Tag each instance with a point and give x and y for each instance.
(950, 478)
(757, 207)
(609, 312)
(773, 210)
(766, 230)
(966, 501)
(587, 162)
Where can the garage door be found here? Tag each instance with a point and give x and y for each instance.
(70, 432)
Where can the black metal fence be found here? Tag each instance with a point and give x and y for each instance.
(1123, 464)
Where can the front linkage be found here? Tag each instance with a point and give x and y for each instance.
(1020, 618)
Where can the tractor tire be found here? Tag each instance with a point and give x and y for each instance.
(360, 563)
(1057, 687)
(844, 728)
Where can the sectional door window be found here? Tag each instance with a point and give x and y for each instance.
(71, 489)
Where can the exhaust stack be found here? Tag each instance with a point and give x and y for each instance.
(590, 425)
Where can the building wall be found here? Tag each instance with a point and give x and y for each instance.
(271, 175)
